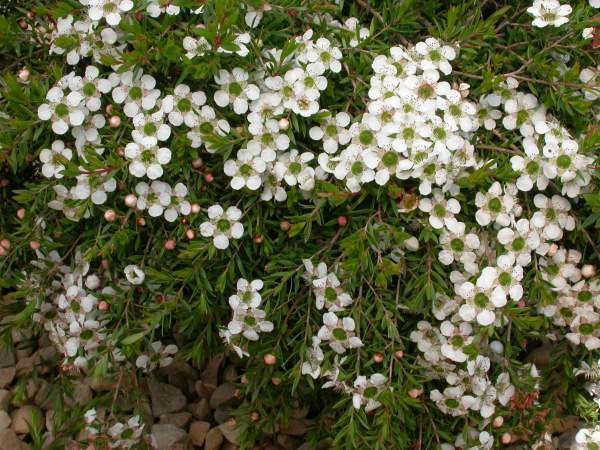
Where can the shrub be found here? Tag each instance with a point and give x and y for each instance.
(385, 211)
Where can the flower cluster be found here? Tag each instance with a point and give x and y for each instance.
(117, 435)
(71, 311)
(248, 319)
(340, 335)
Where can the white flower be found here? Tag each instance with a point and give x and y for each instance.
(134, 274)
(332, 131)
(323, 56)
(441, 211)
(235, 90)
(549, 12)
(54, 158)
(552, 216)
(249, 323)
(339, 333)
(520, 240)
(294, 169)
(247, 295)
(110, 10)
(254, 16)
(154, 197)
(312, 366)
(160, 356)
(93, 186)
(366, 390)
(183, 105)
(435, 56)
(495, 206)
(458, 246)
(150, 128)
(63, 111)
(147, 161)
(196, 47)
(156, 7)
(91, 87)
(136, 91)
(222, 225)
(247, 169)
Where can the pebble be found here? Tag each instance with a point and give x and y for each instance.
(214, 439)
(181, 419)
(10, 441)
(166, 398)
(231, 433)
(5, 420)
(223, 395)
(198, 432)
(7, 358)
(7, 374)
(222, 414)
(5, 397)
(25, 416)
(200, 410)
(165, 436)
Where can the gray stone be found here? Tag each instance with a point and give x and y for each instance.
(10, 441)
(222, 414)
(23, 353)
(229, 446)
(166, 398)
(200, 410)
(210, 377)
(296, 427)
(214, 439)
(223, 395)
(181, 419)
(25, 416)
(230, 374)
(82, 394)
(42, 397)
(288, 442)
(165, 436)
(5, 397)
(7, 357)
(7, 375)
(231, 432)
(5, 420)
(198, 432)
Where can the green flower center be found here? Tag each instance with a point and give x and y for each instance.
(235, 89)
(357, 168)
(149, 129)
(390, 159)
(366, 137)
(62, 110)
(563, 161)
(184, 105)
(532, 168)
(439, 210)
(135, 93)
(223, 225)
(495, 205)
(89, 89)
(481, 300)
(370, 392)
(295, 168)
(339, 334)
(519, 244)
(330, 294)
(505, 279)
(457, 245)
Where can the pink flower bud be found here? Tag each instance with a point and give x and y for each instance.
(195, 208)
(114, 121)
(588, 271)
(5, 243)
(23, 74)
(130, 200)
(34, 245)
(498, 421)
(110, 215)
(170, 244)
(284, 124)
(269, 359)
(506, 438)
(103, 306)
(21, 213)
(414, 393)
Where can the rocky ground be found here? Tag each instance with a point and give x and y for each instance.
(183, 407)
